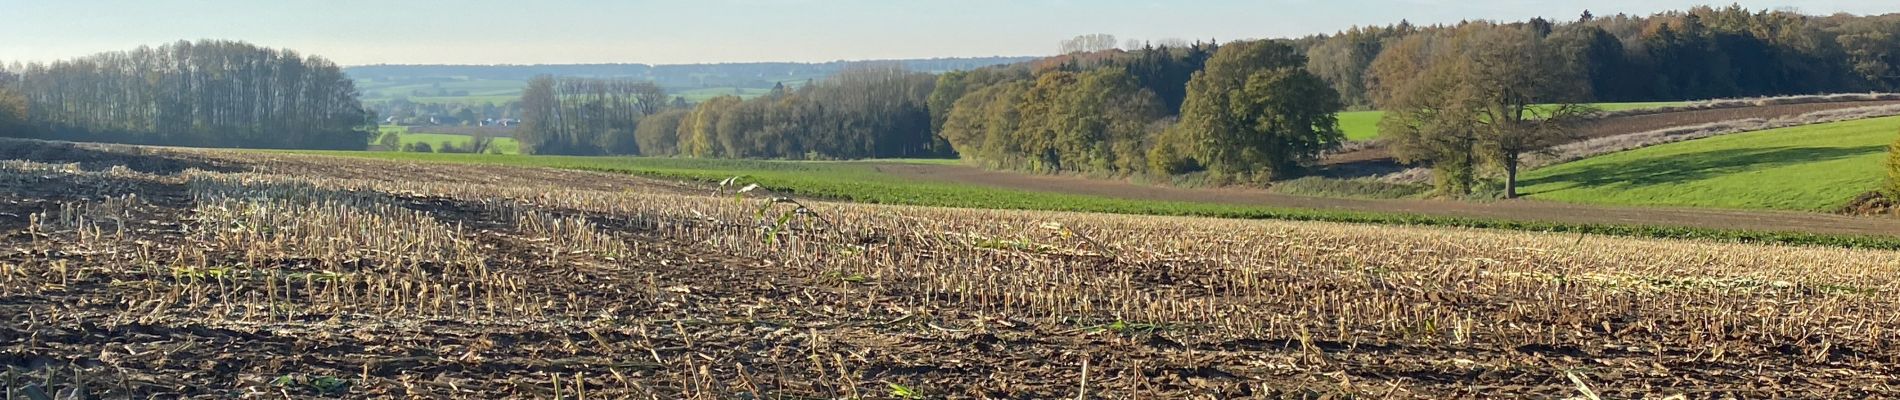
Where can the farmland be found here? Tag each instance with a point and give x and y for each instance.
(1364, 125)
(944, 183)
(185, 273)
(1360, 125)
(1408, 210)
(504, 145)
(1809, 168)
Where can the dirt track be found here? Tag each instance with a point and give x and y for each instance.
(1515, 209)
(1377, 161)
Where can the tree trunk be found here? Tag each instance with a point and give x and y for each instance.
(1510, 176)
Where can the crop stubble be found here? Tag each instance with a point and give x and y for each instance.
(261, 275)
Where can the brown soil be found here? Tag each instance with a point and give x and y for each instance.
(1870, 204)
(1376, 160)
(700, 308)
(1513, 209)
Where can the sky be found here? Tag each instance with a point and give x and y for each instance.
(364, 32)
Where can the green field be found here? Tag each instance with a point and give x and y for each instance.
(701, 95)
(1360, 125)
(1809, 168)
(859, 181)
(1364, 125)
(506, 145)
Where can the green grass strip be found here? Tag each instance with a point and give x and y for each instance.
(857, 181)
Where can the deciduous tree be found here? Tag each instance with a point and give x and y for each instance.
(1255, 113)
(1494, 94)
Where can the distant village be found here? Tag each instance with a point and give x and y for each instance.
(445, 120)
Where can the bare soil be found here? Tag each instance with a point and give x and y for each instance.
(702, 308)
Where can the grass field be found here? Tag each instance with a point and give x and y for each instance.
(700, 95)
(1364, 125)
(1809, 168)
(506, 145)
(859, 181)
(1360, 125)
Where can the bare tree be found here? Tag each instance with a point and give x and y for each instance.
(205, 93)
(1088, 43)
(585, 116)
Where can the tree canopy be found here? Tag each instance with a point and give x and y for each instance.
(585, 116)
(1699, 53)
(1490, 95)
(1255, 113)
(209, 93)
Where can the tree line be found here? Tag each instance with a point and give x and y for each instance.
(1468, 99)
(1700, 53)
(1477, 97)
(1245, 111)
(1248, 111)
(865, 111)
(585, 116)
(209, 93)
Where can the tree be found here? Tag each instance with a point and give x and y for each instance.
(1427, 119)
(658, 134)
(698, 133)
(650, 96)
(390, 141)
(1166, 70)
(584, 116)
(1497, 93)
(12, 112)
(466, 116)
(206, 93)
(1872, 47)
(1342, 61)
(1095, 121)
(1088, 43)
(1255, 113)
(1396, 67)
(1892, 186)
(983, 124)
(480, 143)
(540, 113)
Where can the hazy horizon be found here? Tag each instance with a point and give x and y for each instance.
(490, 32)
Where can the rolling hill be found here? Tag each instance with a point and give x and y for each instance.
(1807, 168)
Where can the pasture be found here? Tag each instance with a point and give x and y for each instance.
(504, 145)
(1364, 125)
(1805, 168)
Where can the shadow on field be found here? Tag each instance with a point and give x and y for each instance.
(1702, 165)
(99, 156)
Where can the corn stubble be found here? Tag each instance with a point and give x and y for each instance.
(306, 279)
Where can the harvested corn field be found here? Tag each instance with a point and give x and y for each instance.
(154, 273)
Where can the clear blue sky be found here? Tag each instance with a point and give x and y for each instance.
(357, 32)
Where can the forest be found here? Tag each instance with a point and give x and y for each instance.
(866, 111)
(208, 93)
